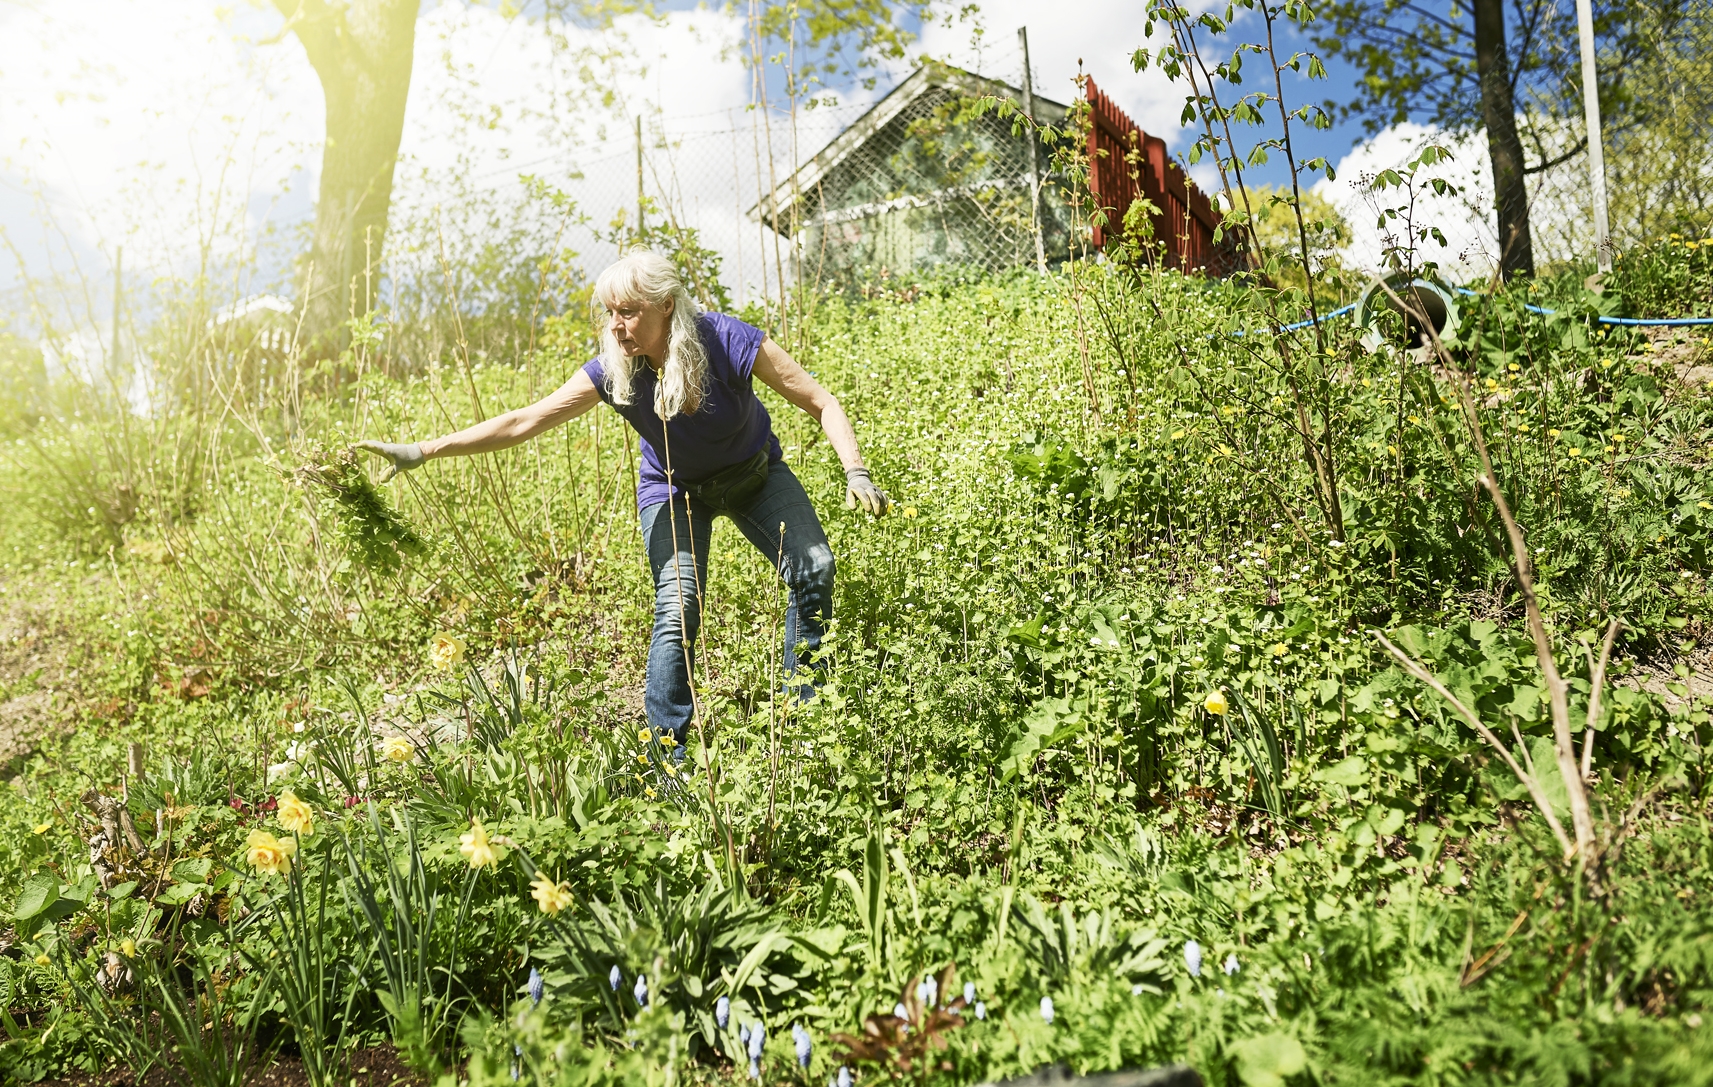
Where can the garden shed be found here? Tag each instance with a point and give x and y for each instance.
(922, 180)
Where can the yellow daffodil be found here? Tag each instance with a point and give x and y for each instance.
(43, 828)
(643, 735)
(295, 815)
(1216, 703)
(446, 651)
(642, 757)
(550, 896)
(398, 749)
(269, 855)
(476, 848)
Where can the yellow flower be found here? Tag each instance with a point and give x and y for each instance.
(642, 757)
(643, 735)
(43, 960)
(268, 854)
(1216, 703)
(1576, 452)
(1619, 438)
(474, 845)
(295, 815)
(398, 749)
(127, 947)
(1553, 433)
(909, 511)
(1523, 428)
(43, 828)
(445, 651)
(1705, 505)
(1280, 649)
(550, 896)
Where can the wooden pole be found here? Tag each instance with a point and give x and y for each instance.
(639, 178)
(1596, 150)
(1034, 152)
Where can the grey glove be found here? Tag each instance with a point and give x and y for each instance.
(403, 457)
(860, 490)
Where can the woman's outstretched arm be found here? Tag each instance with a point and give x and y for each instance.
(501, 432)
(785, 376)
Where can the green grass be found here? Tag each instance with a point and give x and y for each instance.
(1014, 768)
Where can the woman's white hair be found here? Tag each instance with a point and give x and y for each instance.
(644, 277)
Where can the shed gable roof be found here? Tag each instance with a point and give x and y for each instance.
(921, 81)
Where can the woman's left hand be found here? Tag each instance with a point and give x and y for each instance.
(861, 491)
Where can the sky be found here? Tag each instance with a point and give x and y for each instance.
(189, 133)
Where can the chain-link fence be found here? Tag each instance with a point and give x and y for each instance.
(1658, 143)
(815, 196)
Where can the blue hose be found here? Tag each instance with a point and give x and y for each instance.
(1651, 322)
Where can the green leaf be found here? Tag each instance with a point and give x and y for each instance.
(39, 892)
(1349, 772)
(1266, 1061)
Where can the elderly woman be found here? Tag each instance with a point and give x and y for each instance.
(683, 379)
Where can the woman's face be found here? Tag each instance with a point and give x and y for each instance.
(640, 328)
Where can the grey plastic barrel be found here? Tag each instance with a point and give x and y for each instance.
(1421, 299)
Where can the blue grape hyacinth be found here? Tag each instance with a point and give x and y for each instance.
(641, 990)
(614, 977)
(805, 1045)
(723, 1012)
(536, 988)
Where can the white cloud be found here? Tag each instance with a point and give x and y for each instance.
(1460, 216)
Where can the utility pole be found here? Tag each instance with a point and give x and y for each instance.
(1596, 150)
(1034, 152)
(639, 177)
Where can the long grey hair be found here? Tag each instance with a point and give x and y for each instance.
(644, 276)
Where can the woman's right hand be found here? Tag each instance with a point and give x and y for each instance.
(402, 457)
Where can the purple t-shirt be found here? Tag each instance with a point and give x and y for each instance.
(730, 426)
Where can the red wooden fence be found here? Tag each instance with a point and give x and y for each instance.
(1185, 221)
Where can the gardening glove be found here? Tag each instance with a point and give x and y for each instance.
(403, 457)
(861, 491)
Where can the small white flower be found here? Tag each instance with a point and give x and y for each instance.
(1192, 958)
(981, 1009)
(1047, 1009)
(899, 1011)
(969, 992)
(1231, 964)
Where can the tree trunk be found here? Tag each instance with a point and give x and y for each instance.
(1504, 148)
(362, 52)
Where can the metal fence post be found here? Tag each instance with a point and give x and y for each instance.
(1034, 153)
(1596, 152)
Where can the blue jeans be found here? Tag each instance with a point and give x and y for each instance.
(782, 525)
